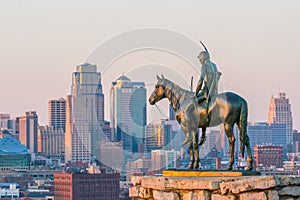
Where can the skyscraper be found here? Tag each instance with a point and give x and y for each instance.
(262, 133)
(84, 114)
(28, 130)
(280, 112)
(57, 114)
(128, 112)
(158, 134)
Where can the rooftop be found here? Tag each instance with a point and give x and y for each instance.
(10, 145)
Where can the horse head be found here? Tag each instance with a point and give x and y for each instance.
(159, 91)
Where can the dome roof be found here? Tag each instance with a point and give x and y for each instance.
(10, 145)
(123, 78)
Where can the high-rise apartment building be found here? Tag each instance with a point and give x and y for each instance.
(280, 112)
(52, 140)
(128, 112)
(84, 114)
(57, 114)
(157, 135)
(28, 130)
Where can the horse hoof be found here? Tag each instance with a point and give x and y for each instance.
(202, 140)
(196, 166)
(249, 168)
(229, 168)
(190, 167)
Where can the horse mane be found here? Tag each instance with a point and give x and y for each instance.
(174, 93)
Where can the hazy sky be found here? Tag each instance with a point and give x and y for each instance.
(256, 45)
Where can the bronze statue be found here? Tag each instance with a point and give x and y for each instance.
(209, 80)
(229, 109)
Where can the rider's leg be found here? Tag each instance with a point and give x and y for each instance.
(200, 97)
(207, 109)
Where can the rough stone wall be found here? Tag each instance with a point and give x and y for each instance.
(215, 188)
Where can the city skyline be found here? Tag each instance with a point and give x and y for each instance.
(163, 115)
(255, 47)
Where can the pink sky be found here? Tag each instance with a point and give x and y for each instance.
(255, 44)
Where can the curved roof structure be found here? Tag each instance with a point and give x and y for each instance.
(123, 78)
(10, 145)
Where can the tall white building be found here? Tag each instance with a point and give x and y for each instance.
(84, 114)
(280, 112)
(57, 113)
(128, 112)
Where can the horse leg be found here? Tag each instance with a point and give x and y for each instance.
(186, 127)
(231, 139)
(203, 136)
(196, 148)
(250, 159)
(192, 159)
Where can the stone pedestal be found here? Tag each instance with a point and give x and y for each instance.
(210, 173)
(215, 188)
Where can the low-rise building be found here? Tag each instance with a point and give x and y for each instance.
(79, 186)
(9, 190)
(164, 159)
(13, 155)
(268, 155)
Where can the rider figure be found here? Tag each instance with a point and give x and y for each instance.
(207, 87)
(209, 80)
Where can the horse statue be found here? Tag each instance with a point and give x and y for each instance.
(228, 109)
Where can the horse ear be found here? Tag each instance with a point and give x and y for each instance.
(162, 76)
(158, 78)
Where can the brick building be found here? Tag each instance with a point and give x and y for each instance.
(83, 186)
(268, 155)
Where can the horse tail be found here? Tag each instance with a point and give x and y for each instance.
(243, 126)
